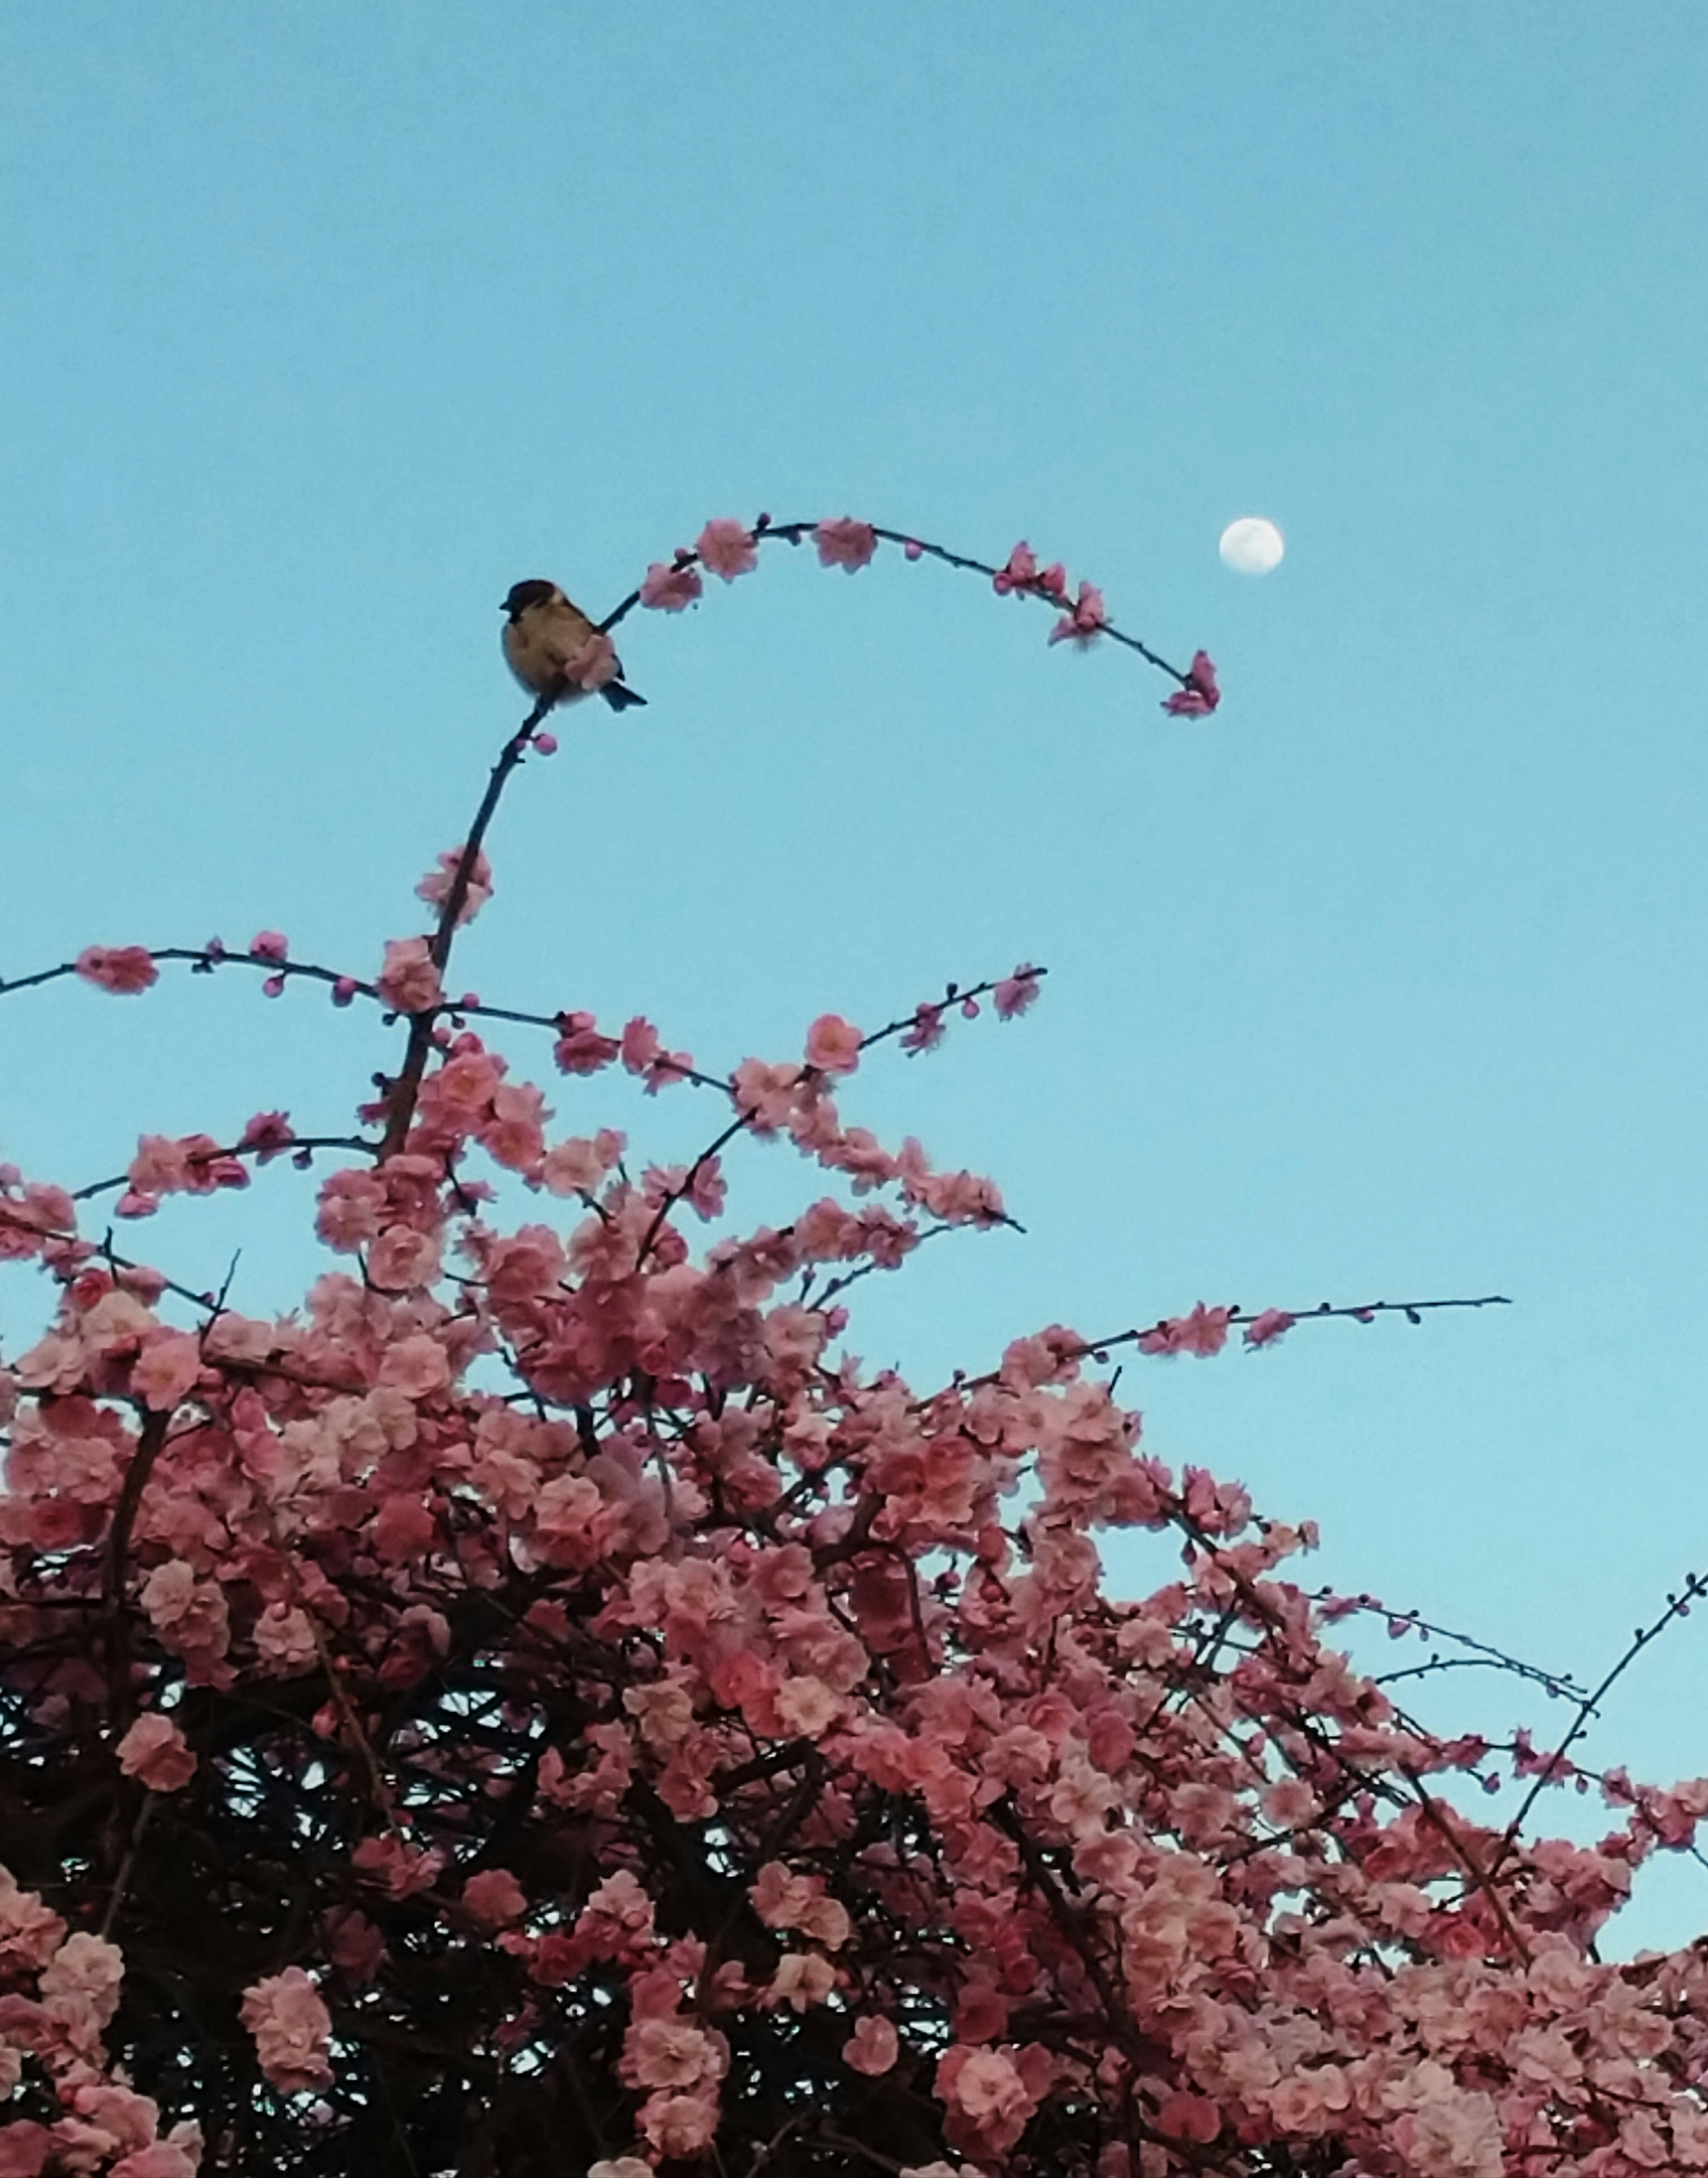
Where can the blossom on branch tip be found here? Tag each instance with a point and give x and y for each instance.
(1016, 993)
(123, 970)
(844, 542)
(727, 548)
(670, 587)
(1200, 695)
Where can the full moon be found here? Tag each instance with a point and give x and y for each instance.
(1251, 546)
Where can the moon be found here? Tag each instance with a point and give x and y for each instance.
(1251, 547)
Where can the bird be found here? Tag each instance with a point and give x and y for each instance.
(543, 632)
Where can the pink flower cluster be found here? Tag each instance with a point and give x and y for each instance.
(1200, 695)
(546, 1687)
(733, 1584)
(72, 2110)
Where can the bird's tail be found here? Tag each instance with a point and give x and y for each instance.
(619, 697)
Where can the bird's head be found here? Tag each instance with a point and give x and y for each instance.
(524, 594)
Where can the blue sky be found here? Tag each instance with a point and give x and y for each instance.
(325, 324)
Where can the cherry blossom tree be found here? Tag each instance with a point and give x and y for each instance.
(544, 1706)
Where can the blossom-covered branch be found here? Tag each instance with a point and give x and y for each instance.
(543, 1700)
(727, 548)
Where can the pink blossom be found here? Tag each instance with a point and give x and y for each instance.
(268, 945)
(408, 982)
(1200, 695)
(160, 1167)
(399, 1868)
(155, 1750)
(595, 665)
(727, 548)
(1189, 2117)
(802, 1980)
(417, 1366)
(31, 1932)
(1455, 2135)
(1020, 573)
(926, 1032)
(669, 2053)
(123, 970)
(983, 2087)
(670, 588)
(529, 1263)
(267, 1133)
(578, 1166)
(24, 2148)
(844, 542)
(677, 2126)
(514, 1134)
(292, 2029)
(1085, 622)
(494, 1897)
(767, 1095)
(435, 887)
(160, 2159)
(544, 742)
(873, 2047)
(350, 1206)
(1016, 993)
(89, 1968)
(1269, 1325)
(1203, 1331)
(580, 1049)
(833, 1045)
(166, 1369)
(640, 1046)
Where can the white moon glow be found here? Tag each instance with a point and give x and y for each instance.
(1251, 546)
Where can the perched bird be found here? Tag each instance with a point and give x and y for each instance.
(545, 634)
